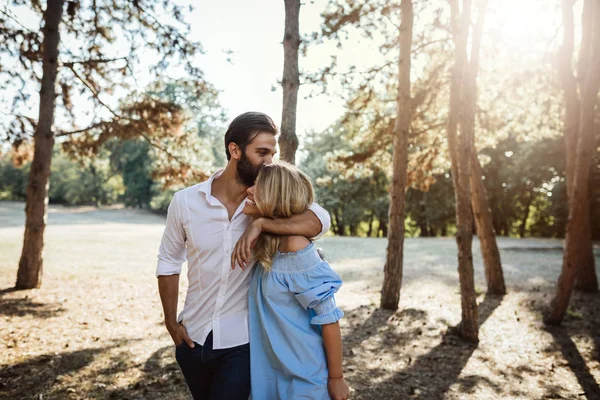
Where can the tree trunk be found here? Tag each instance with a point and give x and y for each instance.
(383, 227)
(587, 280)
(392, 277)
(423, 226)
(585, 265)
(460, 157)
(485, 229)
(340, 229)
(526, 215)
(371, 220)
(575, 242)
(29, 275)
(288, 141)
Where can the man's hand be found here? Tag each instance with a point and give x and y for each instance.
(242, 253)
(338, 389)
(179, 334)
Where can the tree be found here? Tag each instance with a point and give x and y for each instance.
(460, 155)
(132, 159)
(30, 264)
(481, 211)
(432, 210)
(578, 232)
(288, 141)
(574, 88)
(76, 52)
(392, 278)
(352, 197)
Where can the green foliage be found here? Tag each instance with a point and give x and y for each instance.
(132, 160)
(432, 211)
(525, 182)
(351, 199)
(160, 202)
(88, 183)
(13, 180)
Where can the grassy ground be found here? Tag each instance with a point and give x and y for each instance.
(94, 329)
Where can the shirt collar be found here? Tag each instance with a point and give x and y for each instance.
(206, 186)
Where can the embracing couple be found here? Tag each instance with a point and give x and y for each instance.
(259, 315)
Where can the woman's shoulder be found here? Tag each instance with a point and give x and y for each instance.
(292, 244)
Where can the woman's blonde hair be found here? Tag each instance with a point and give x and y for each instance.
(281, 190)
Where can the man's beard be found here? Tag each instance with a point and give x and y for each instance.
(246, 172)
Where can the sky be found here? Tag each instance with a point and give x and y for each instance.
(253, 30)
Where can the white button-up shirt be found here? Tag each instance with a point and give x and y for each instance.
(199, 230)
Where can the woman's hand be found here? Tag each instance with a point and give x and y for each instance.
(338, 389)
(242, 253)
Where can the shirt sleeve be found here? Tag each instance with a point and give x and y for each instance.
(314, 289)
(323, 216)
(172, 252)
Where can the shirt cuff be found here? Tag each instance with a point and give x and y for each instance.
(323, 216)
(323, 319)
(167, 268)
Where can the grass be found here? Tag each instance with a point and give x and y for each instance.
(94, 330)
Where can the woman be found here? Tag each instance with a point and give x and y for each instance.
(295, 340)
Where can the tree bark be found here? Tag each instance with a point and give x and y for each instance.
(487, 236)
(288, 141)
(587, 280)
(423, 223)
(526, 215)
(485, 229)
(29, 274)
(575, 242)
(392, 278)
(371, 220)
(383, 227)
(460, 150)
(585, 265)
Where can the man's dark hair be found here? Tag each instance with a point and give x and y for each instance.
(244, 128)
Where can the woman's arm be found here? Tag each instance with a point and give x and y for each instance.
(306, 224)
(332, 339)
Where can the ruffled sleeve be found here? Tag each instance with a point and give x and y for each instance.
(314, 287)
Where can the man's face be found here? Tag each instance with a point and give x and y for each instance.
(259, 151)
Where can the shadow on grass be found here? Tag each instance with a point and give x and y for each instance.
(161, 379)
(444, 362)
(575, 361)
(582, 319)
(23, 307)
(20, 307)
(35, 376)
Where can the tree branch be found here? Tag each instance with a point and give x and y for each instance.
(121, 118)
(9, 15)
(92, 61)
(67, 133)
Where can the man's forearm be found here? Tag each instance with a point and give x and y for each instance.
(332, 340)
(306, 224)
(168, 288)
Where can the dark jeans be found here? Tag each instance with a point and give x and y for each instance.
(215, 374)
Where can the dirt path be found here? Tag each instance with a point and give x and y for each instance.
(95, 330)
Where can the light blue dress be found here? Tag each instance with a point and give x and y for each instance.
(287, 307)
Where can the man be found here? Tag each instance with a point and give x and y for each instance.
(204, 223)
